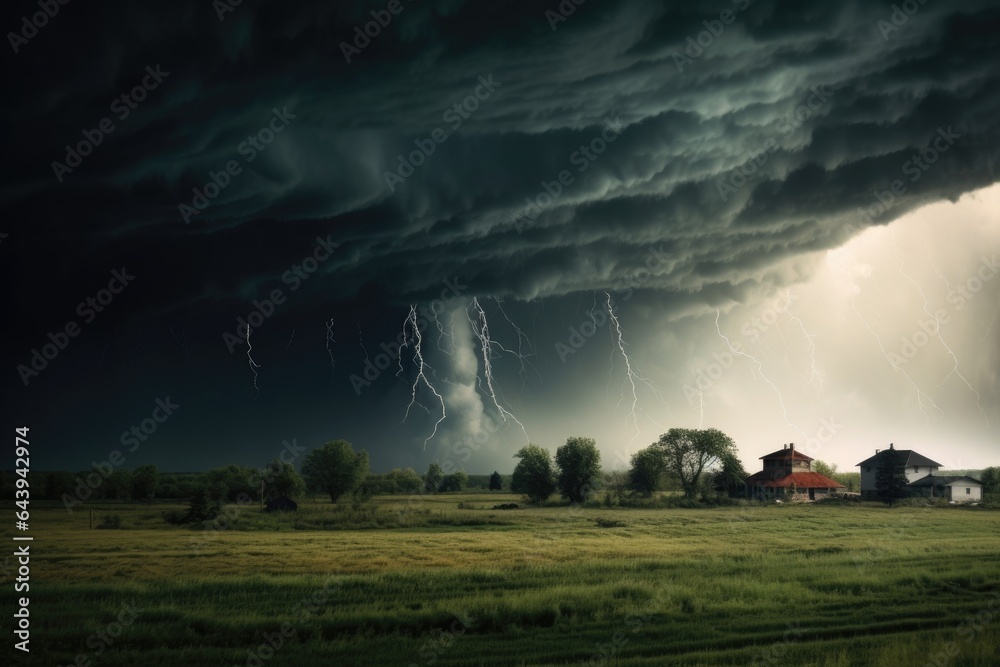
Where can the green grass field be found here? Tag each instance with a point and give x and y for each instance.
(820, 584)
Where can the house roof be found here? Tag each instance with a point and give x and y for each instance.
(788, 453)
(944, 480)
(802, 480)
(910, 458)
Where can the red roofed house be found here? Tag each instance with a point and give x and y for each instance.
(788, 475)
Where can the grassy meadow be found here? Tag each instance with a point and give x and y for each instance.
(424, 582)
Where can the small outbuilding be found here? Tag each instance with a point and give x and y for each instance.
(281, 504)
(955, 488)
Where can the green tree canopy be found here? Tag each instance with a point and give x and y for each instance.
(335, 468)
(579, 465)
(232, 481)
(825, 469)
(730, 478)
(687, 453)
(533, 474)
(432, 478)
(145, 481)
(455, 481)
(646, 472)
(281, 479)
(990, 477)
(403, 480)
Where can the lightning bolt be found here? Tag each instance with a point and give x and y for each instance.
(183, 343)
(920, 392)
(760, 369)
(522, 339)
(361, 341)
(442, 334)
(631, 374)
(481, 330)
(330, 339)
(990, 328)
(108, 346)
(815, 379)
(290, 339)
(253, 364)
(415, 339)
(954, 369)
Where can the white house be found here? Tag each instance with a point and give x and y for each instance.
(917, 467)
(959, 489)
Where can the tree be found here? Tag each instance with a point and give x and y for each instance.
(400, 480)
(57, 484)
(232, 481)
(281, 479)
(335, 468)
(496, 482)
(533, 473)
(118, 485)
(432, 478)
(202, 507)
(730, 478)
(579, 465)
(890, 477)
(145, 480)
(688, 452)
(647, 469)
(850, 480)
(456, 481)
(825, 469)
(990, 477)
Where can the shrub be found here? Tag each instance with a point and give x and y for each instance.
(110, 521)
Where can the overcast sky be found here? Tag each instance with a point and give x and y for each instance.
(789, 208)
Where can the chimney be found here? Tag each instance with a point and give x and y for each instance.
(891, 446)
(791, 446)
(785, 446)
(877, 451)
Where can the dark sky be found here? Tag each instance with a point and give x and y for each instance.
(701, 165)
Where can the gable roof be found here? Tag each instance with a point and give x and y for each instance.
(802, 480)
(910, 458)
(944, 480)
(788, 453)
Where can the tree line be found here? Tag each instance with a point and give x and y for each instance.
(692, 461)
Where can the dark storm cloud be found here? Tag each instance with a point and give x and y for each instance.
(689, 120)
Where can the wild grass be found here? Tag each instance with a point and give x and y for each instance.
(822, 584)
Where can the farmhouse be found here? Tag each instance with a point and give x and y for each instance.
(921, 478)
(916, 465)
(788, 475)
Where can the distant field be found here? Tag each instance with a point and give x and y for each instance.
(820, 584)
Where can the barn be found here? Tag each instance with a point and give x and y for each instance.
(281, 504)
(788, 475)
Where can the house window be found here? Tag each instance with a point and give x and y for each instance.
(916, 468)
(868, 469)
(968, 491)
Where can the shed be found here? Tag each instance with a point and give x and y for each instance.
(281, 504)
(956, 488)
